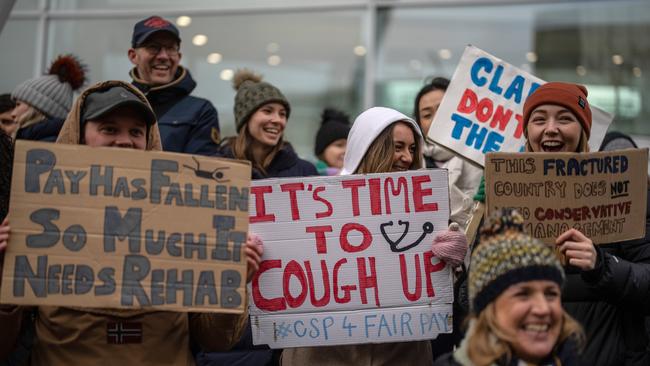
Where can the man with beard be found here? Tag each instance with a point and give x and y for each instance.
(187, 124)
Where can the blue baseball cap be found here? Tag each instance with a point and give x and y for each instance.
(145, 28)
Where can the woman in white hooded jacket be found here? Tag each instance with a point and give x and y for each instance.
(382, 140)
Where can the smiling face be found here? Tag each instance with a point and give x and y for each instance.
(156, 59)
(530, 313)
(267, 124)
(334, 153)
(427, 108)
(124, 127)
(553, 128)
(404, 147)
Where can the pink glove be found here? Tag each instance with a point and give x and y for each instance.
(450, 245)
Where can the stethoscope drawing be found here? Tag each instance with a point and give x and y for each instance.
(427, 228)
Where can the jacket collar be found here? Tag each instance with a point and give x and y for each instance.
(285, 159)
(183, 83)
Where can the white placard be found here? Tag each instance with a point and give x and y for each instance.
(483, 106)
(348, 259)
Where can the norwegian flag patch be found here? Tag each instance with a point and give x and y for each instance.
(123, 332)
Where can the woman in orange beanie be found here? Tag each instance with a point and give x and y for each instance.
(608, 286)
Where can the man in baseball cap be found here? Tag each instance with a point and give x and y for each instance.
(103, 102)
(187, 124)
(114, 115)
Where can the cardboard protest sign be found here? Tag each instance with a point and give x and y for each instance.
(482, 108)
(601, 194)
(348, 259)
(123, 228)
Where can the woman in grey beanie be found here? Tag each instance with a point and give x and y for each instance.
(43, 103)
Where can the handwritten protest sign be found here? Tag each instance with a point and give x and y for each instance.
(482, 108)
(601, 194)
(121, 228)
(348, 259)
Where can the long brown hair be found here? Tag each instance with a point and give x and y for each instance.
(487, 342)
(379, 156)
(241, 150)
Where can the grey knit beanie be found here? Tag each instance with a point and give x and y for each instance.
(51, 94)
(253, 93)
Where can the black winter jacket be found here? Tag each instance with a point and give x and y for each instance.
(285, 164)
(46, 130)
(187, 124)
(564, 355)
(611, 303)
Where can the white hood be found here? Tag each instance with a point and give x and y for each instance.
(365, 130)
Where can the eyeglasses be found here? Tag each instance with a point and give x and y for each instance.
(155, 48)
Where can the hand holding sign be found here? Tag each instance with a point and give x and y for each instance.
(4, 234)
(254, 252)
(450, 245)
(578, 249)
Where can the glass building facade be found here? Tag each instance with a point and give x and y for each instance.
(350, 54)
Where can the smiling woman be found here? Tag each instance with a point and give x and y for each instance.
(261, 117)
(607, 284)
(383, 140)
(517, 314)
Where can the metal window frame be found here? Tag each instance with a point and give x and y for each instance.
(44, 14)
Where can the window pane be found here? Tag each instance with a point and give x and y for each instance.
(26, 5)
(593, 43)
(315, 67)
(17, 41)
(186, 4)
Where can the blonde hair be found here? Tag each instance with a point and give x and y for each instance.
(240, 146)
(379, 156)
(31, 117)
(487, 343)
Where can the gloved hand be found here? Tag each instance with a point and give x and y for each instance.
(450, 245)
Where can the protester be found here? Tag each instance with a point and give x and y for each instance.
(608, 286)
(261, 116)
(331, 141)
(7, 123)
(464, 177)
(615, 140)
(382, 140)
(515, 295)
(188, 124)
(115, 114)
(43, 103)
